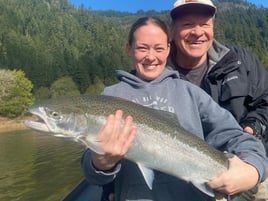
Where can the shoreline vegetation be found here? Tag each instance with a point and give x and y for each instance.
(7, 124)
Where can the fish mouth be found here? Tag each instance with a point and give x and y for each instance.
(37, 124)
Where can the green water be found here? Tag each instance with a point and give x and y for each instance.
(37, 167)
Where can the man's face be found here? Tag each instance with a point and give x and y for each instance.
(193, 35)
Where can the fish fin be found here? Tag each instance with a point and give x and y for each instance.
(93, 147)
(148, 175)
(204, 188)
(169, 115)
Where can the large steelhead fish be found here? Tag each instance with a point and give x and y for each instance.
(160, 144)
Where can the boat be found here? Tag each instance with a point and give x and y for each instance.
(83, 191)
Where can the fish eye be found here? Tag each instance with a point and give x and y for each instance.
(54, 114)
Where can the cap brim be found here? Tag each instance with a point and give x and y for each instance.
(176, 12)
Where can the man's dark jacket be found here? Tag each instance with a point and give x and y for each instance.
(238, 82)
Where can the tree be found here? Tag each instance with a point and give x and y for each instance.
(95, 88)
(17, 97)
(50, 39)
(63, 87)
(7, 82)
(42, 93)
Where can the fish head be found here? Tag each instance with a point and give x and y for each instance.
(61, 120)
(68, 117)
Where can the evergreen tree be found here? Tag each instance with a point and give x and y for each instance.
(52, 39)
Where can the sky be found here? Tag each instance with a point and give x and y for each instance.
(135, 5)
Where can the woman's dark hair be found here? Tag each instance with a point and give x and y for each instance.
(145, 21)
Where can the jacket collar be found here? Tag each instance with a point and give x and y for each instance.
(222, 60)
(216, 52)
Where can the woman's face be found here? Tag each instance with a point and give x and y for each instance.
(149, 51)
(193, 35)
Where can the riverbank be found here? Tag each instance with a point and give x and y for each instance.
(11, 124)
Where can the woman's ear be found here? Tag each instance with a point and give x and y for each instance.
(168, 50)
(128, 49)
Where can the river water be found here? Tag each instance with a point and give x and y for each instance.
(37, 167)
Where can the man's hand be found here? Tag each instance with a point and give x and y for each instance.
(248, 130)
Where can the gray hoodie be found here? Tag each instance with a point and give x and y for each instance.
(197, 113)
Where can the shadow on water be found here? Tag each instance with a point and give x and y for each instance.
(36, 166)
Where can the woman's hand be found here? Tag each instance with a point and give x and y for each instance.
(239, 177)
(115, 138)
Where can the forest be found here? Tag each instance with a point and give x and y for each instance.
(62, 49)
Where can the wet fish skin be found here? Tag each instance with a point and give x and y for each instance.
(161, 143)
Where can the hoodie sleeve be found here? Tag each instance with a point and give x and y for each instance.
(94, 176)
(224, 133)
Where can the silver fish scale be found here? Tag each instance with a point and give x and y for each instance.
(161, 143)
(165, 153)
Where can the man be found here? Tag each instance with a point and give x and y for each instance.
(230, 74)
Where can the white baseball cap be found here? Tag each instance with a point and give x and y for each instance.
(184, 5)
